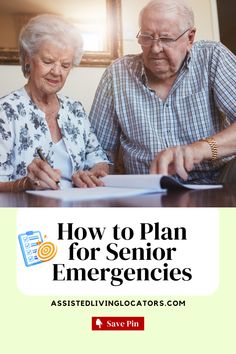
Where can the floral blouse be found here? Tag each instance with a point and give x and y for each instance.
(23, 129)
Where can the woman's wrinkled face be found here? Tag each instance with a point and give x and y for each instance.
(49, 68)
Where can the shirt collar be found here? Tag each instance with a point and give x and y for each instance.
(143, 75)
(188, 59)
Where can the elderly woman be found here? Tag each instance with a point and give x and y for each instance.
(36, 119)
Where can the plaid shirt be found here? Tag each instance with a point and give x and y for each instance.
(126, 111)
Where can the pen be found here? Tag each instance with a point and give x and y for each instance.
(42, 157)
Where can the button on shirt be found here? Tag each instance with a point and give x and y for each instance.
(126, 111)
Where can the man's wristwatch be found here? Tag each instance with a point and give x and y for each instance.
(213, 146)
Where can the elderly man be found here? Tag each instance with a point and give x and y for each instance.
(173, 107)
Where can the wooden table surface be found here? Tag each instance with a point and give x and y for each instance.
(224, 197)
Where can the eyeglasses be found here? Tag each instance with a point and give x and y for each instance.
(146, 40)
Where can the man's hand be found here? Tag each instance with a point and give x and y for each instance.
(180, 160)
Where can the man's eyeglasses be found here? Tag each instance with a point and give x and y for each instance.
(146, 40)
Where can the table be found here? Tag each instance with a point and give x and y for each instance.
(224, 197)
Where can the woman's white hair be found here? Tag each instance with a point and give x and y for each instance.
(179, 7)
(53, 28)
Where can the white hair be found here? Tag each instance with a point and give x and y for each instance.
(53, 28)
(179, 7)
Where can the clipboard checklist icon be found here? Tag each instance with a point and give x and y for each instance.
(29, 244)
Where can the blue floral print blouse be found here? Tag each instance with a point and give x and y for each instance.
(23, 129)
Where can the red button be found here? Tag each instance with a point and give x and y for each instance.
(100, 323)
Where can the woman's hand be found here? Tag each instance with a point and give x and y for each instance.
(91, 178)
(42, 176)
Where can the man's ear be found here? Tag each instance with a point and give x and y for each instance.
(191, 37)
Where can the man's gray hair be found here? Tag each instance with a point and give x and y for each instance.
(178, 7)
(54, 29)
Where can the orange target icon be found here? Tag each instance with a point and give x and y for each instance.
(46, 251)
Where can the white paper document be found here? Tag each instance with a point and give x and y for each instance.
(82, 194)
(119, 186)
(155, 182)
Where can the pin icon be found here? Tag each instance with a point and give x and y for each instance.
(98, 323)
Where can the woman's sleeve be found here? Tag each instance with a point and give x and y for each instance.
(6, 147)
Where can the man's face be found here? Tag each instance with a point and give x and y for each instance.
(164, 61)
